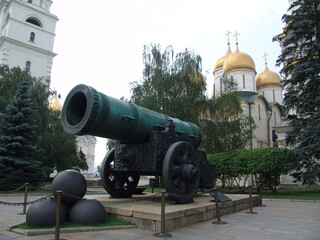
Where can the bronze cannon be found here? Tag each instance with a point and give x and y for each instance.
(148, 143)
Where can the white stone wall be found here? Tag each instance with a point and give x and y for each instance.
(16, 47)
(217, 76)
(260, 114)
(272, 94)
(246, 80)
(87, 145)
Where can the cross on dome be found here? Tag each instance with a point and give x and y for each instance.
(228, 34)
(265, 58)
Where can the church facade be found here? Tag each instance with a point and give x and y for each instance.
(261, 95)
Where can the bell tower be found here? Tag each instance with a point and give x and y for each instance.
(27, 31)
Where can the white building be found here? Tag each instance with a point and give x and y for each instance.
(27, 34)
(261, 96)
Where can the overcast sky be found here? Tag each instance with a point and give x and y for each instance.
(100, 42)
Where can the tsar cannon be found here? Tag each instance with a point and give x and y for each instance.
(148, 143)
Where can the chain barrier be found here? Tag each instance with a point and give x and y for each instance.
(14, 190)
(22, 203)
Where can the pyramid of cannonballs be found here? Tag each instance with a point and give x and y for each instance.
(73, 207)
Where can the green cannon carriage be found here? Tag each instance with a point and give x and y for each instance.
(148, 143)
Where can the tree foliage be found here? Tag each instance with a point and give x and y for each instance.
(172, 83)
(226, 127)
(267, 164)
(18, 142)
(56, 150)
(300, 57)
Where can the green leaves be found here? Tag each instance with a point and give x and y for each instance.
(267, 164)
(300, 57)
(172, 84)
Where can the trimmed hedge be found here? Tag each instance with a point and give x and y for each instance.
(267, 164)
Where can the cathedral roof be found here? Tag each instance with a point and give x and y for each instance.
(55, 106)
(220, 62)
(238, 61)
(268, 79)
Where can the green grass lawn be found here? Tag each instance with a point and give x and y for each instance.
(308, 193)
(300, 193)
(109, 222)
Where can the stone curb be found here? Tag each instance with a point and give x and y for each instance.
(34, 232)
(290, 200)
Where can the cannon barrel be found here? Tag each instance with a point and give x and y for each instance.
(89, 112)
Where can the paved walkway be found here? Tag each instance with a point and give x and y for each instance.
(281, 219)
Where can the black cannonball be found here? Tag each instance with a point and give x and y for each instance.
(44, 213)
(70, 182)
(88, 212)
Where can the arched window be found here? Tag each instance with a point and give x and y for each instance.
(244, 81)
(28, 66)
(220, 85)
(259, 112)
(34, 21)
(32, 36)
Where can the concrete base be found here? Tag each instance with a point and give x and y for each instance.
(145, 210)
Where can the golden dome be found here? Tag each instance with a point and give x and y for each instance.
(220, 62)
(238, 61)
(268, 79)
(55, 106)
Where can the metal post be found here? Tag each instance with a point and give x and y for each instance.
(217, 208)
(25, 199)
(260, 195)
(57, 235)
(163, 233)
(250, 201)
(152, 184)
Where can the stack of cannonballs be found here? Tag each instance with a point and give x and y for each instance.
(73, 207)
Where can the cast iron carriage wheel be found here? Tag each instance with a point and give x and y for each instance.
(117, 184)
(180, 172)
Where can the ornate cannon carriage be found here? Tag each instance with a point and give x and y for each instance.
(148, 143)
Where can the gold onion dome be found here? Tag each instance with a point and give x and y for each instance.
(238, 61)
(268, 79)
(55, 106)
(220, 62)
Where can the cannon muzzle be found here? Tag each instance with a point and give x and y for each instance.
(89, 112)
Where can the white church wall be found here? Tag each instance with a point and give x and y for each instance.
(259, 111)
(218, 75)
(272, 94)
(245, 79)
(87, 145)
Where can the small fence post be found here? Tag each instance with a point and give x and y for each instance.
(260, 195)
(163, 233)
(217, 208)
(250, 201)
(25, 199)
(58, 213)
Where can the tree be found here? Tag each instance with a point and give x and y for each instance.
(18, 142)
(267, 164)
(58, 149)
(300, 57)
(226, 127)
(172, 84)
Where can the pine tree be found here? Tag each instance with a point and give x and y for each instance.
(18, 142)
(300, 57)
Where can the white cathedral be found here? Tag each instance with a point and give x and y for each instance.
(27, 33)
(261, 95)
